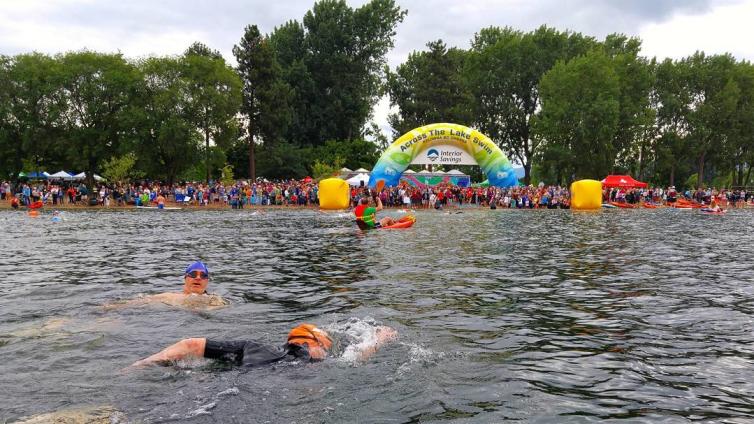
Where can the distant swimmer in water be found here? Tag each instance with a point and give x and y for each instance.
(713, 206)
(96, 414)
(193, 296)
(306, 342)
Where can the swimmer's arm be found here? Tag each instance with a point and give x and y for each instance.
(186, 348)
(140, 301)
(383, 335)
(379, 203)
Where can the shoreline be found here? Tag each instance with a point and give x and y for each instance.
(5, 205)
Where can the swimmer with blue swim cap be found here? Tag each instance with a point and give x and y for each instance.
(194, 294)
(196, 278)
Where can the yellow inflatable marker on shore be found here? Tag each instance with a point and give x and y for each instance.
(586, 195)
(334, 194)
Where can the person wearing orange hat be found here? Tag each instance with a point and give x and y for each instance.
(305, 342)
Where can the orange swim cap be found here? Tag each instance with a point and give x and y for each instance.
(314, 338)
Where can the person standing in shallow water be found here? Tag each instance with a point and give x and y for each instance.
(194, 294)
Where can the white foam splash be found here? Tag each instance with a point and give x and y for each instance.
(233, 391)
(418, 356)
(202, 410)
(356, 335)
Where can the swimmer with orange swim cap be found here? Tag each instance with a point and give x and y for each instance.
(305, 342)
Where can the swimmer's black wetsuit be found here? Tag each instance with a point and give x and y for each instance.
(250, 353)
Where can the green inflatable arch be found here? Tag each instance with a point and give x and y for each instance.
(444, 143)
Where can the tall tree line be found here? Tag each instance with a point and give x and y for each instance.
(80, 110)
(567, 106)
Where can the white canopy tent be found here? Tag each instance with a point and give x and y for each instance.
(455, 172)
(61, 175)
(408, 171)
(82, 176)
(361, 171)
(357, 179)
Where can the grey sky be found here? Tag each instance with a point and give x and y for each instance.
(668, 28)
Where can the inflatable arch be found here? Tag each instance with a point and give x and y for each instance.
(443, 144)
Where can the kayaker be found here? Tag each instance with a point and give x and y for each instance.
(366, 216)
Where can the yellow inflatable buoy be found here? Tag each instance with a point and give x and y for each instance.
(334, 194)
(586, 195)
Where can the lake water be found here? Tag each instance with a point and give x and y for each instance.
(539, 316)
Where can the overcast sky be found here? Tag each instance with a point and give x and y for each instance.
(668, 28)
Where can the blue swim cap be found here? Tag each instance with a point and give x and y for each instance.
(197, 266)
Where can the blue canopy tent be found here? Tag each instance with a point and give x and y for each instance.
(36, 175)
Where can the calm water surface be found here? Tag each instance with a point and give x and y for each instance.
(538, 316)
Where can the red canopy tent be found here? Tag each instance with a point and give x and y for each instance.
(622, 181)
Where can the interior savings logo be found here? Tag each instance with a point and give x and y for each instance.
(433, 154)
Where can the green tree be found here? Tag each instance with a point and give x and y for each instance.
(121, 168)
(214, 93)
(226, 175)
(714, 96)
(428, 88)
(504, 71)
(673, 99)
(353, 154)
(99, 90)
(636, 117)
(580, 114)
(741, 144)
(201, 49)
(30, 110)
(334, 63)
(323, 169)
(168, 138)
(265, 95)
(283, 160)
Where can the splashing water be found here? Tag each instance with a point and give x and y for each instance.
(354, 336)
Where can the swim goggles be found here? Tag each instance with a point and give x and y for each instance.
(198, 274)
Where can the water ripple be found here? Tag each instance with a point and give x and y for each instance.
(542, 316)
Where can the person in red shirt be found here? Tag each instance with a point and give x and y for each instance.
(71, 195)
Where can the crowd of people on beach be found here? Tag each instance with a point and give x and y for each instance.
(670, 195)
(304, 193)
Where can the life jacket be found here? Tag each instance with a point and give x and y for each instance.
(361, 220)
(317, 341)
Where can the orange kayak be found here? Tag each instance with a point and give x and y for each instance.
(649, 205)
(404, 222)
(36, 205)
(622, 205)
(686, 203)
